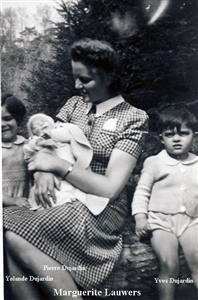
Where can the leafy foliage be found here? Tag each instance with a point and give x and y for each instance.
(159, 62)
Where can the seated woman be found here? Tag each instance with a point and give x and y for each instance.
(69, 237)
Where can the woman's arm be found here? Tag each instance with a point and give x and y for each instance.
(120, 166)
(121, 163)
(110, 185)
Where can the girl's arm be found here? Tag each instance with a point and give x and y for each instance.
(18, 201)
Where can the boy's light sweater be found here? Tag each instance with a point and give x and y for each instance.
(167, 185)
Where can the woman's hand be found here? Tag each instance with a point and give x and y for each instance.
(44, 191)
(44, 160)
(141, 228)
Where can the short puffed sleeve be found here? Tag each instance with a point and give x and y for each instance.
(67, 110)
(133, 131)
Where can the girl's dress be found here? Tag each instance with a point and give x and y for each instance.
(86, 245)
(15, 178)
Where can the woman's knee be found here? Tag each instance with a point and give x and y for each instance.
(17, 247)
(10, 239)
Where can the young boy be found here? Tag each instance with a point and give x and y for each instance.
(166, 198)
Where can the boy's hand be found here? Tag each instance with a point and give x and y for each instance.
(141, 228)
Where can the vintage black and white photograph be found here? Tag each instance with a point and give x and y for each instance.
(99, 130)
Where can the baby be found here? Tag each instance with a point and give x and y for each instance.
(68, 142)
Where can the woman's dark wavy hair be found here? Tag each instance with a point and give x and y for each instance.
(100, 55)
(174, 116)
(14, 106)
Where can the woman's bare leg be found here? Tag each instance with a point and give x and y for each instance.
(189, 244)
(165, 245)
(20, 290)
(32, 261)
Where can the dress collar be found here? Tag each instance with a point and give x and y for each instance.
(20, 140)
(105, 106)
(168, 160)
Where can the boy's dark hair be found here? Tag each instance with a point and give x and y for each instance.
(100, 55)
(174, 116)
(14, 106)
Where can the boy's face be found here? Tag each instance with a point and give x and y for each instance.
(178, 142)
(40, 125)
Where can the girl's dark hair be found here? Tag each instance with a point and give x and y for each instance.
(174, 116)
(98, 54)
(14, 106)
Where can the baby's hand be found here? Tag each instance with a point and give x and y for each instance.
(21, 201)
(141, 228)
(47, 143)
(46, 134)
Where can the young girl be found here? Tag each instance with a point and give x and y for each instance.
(166, 199)
(15, 186)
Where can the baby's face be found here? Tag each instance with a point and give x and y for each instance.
(40, 125)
